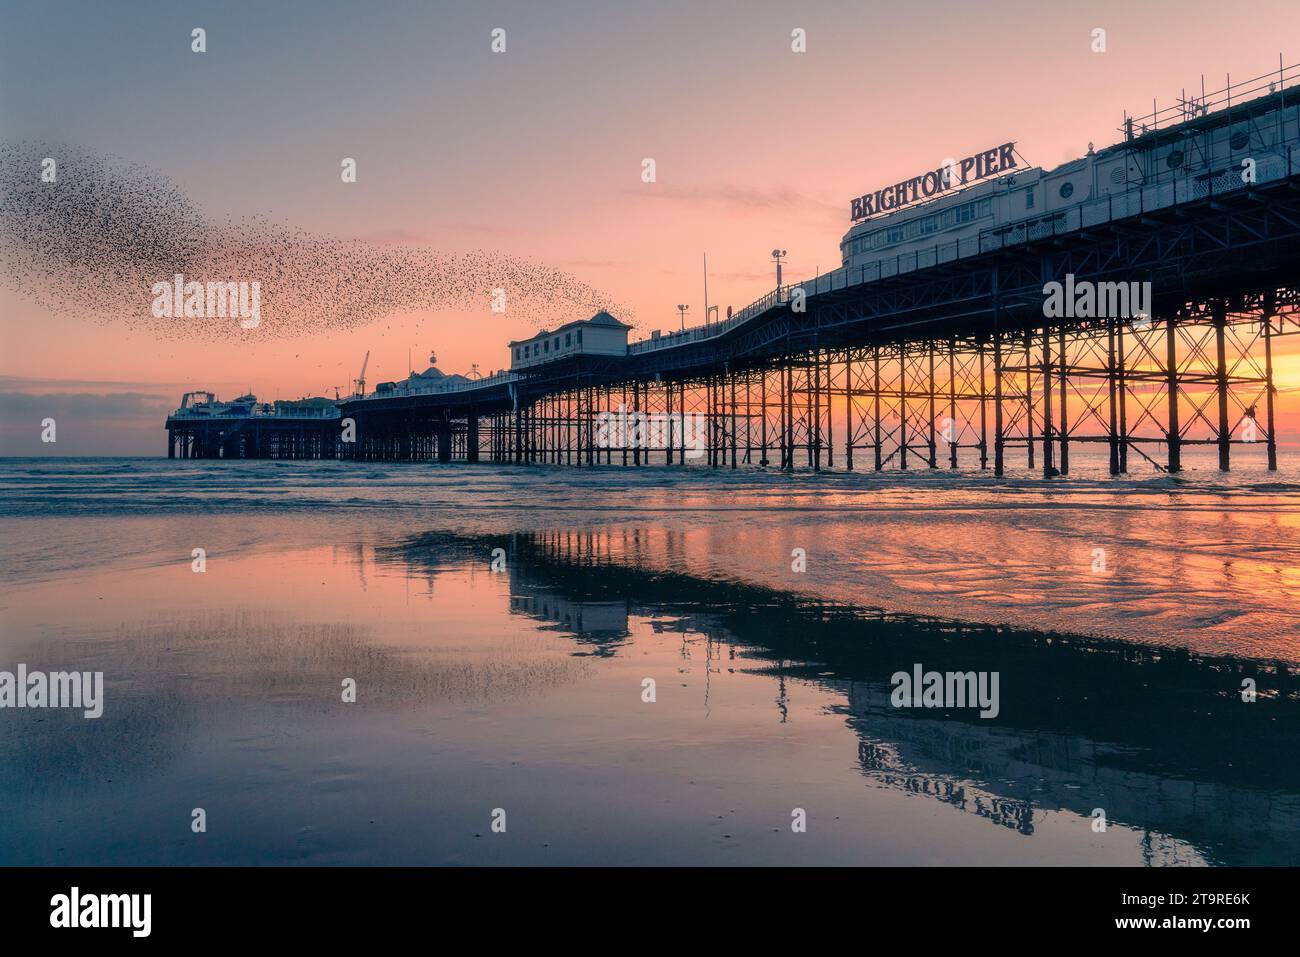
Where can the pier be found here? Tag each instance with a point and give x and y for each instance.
(947, 355)
(938, 365)
(204, 428)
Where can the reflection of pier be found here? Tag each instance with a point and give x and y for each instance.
(885, 763)
(603, 622)
(1160, 739)
(1009, 776)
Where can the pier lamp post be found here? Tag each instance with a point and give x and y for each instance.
(776, 258)
(682, 310)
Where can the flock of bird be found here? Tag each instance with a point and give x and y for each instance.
(95, 241)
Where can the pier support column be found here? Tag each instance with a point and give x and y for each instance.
(875, 362)
(681, 395)
(933, 459)
(815, 417)
(1064, 432)
(902, 406)
(1121, 387)
(444, 436)
(530, 431)
(638, 429)
(787, 440)
(749, 419)
(1049, 468)
(1029, 401)
(997, 405)
(984, 416)
(668, 423)
(471, 436)
(951, 430)
(1174, 435)
(830, 409)
(731, 380)
(848, 410)
(1268, 382)
(1112, 434)
(517, 430)
(1221, 384)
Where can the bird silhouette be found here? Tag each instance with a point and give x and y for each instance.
(96, 240)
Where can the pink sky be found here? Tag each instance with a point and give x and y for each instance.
(537, 152)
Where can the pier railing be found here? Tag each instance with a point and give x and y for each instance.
(1193, 107)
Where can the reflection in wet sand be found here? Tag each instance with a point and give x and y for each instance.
(1159, 739)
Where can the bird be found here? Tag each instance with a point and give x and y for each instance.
(95, 241)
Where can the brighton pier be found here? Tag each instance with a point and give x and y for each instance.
(931, 346)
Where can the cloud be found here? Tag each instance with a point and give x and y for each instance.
(17, 410)
(87, 423)
(41, 386)
(100, 404)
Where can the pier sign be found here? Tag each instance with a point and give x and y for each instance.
(927, 185)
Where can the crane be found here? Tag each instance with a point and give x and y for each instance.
(361, 379)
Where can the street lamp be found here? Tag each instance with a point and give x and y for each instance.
(776, 258)
(682, 310)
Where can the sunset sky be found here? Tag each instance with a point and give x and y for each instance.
(537, 152)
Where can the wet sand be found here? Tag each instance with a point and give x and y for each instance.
(522, 689)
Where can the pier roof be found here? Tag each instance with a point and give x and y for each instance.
(602, 318)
